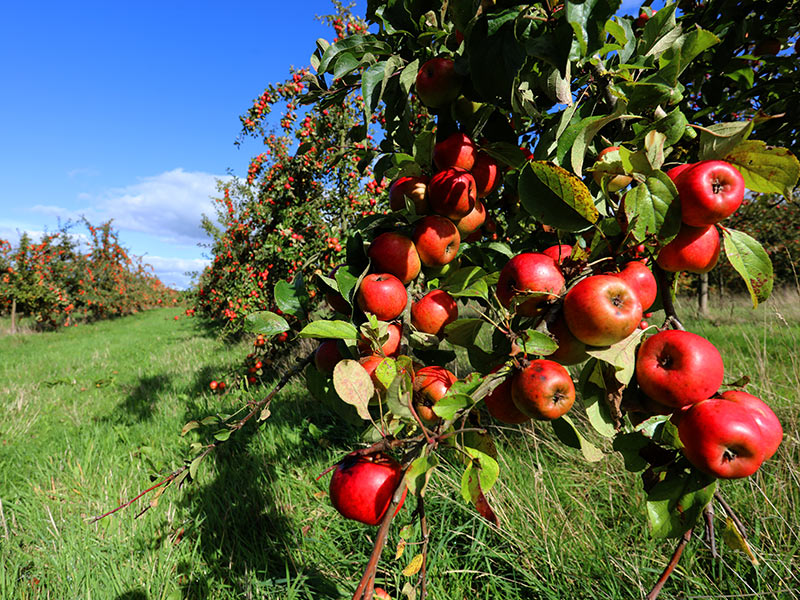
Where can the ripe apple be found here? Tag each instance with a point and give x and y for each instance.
(641, 279)
(486, 173)
(543, 390)
(452, 193)
(362, 487)
(415, 188)
(721, 438)
(768, 423)
(615, 181)
(456, 150)
(395, 253)
(558, 253)
(327, 356)
(383, 295)
(767, 47)
(602, 310)
(432, 312)
(337, 302)
(641, 20)
(213, 385)
(430, 386)
(390, 347)
(694, 249)
(436, 240)
(529, 272)
(675, 172)
(710, 191)
(381, 594)
(501, 406)
(470, 223)
(677, 368)
(571, 351)
(437, 82)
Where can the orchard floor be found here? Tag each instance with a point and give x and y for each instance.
(91, 413)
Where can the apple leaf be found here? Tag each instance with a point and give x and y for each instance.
(450, 405)
(398, 396)
(717, 140)
(265, 322)
(409, 75)
(593, 393)
(622, 356)
(337, 330)
(653, 208)
(569, 435)
(766, 169)
(354, 385)
(676, 502)
(386, 371)
(536, 342)
(735, 541)
(463, 332)
(419, 473)
(478, 478)
(462, 279)
(673, 126)
(751, 261)
(556, 197)
(628, 445)
(414, 566)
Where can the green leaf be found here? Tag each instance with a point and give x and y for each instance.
(386, 372)
(672, 126)
(354, 385)
(751, 261)
(346, 280)
(766, 169)
(629, 445)
(409, 75)
(398, 396)
(622, 356)
(419, 473)
(451, 404)
(463, 332)
(593, 394)
(653, 208)
(556, 197)
(588, 19)
(569, 435)
(675, 503)
(372, 77)
(266, 323)
(337, 330)
(222, 435)
(288, 298)
(717, 140)
(536, 342)
(488, 470)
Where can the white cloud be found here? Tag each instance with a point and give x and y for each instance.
(173, 271)
(83, 172)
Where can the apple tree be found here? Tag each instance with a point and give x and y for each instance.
(551, 175)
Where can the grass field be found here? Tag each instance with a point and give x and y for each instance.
(90, 413)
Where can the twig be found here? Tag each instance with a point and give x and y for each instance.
(257, 407)
(731, 514)
(666, 298)
(366, 586)
(423, 523)
(708, 514)
(673, 562)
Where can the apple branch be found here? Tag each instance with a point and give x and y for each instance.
(673, 562)
(423, 523)
(257, 408)
(708, 515)
(664, 285)
(730, 512)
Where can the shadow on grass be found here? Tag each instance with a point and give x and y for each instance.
(140, 403)
(132, 595)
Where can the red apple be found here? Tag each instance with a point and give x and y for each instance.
(768, 423)
(383, 295)
(767, 47)
(721, 438)
(470, 223)
(571, 351)
(486, 173)
(710, 191)
(677, 368)
(529, 272)
(390, 347)
(437, 82)
(602, 310)
(381, 594)
(641, 279)
(430, 386)
(456, 150)
(675, 172)
(432, 312)
(558, 253)
(694, 249)
(615, 181)
(501, 406)
(337, 302)
(452, 193)
(436, 240)
(370, 364)
(641, 20)
(362, 487)
(327, 356)
(543, 390)
(416, 188)
(396, 254)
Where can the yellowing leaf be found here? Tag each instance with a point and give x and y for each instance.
(414, 566)
(734, 540)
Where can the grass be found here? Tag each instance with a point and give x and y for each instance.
(91, 413)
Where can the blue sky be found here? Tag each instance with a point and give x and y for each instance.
(130, 110)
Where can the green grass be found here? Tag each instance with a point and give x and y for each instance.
(91, 413)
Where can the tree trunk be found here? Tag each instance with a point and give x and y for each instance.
(13, 316)
(702, 297)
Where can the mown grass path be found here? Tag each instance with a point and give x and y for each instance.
(91, 413)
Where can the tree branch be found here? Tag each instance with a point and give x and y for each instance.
(673, 562)
(664, 285)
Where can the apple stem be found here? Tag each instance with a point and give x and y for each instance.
(673, 562)
(729, 511)
(366, 586)
(708, 514)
